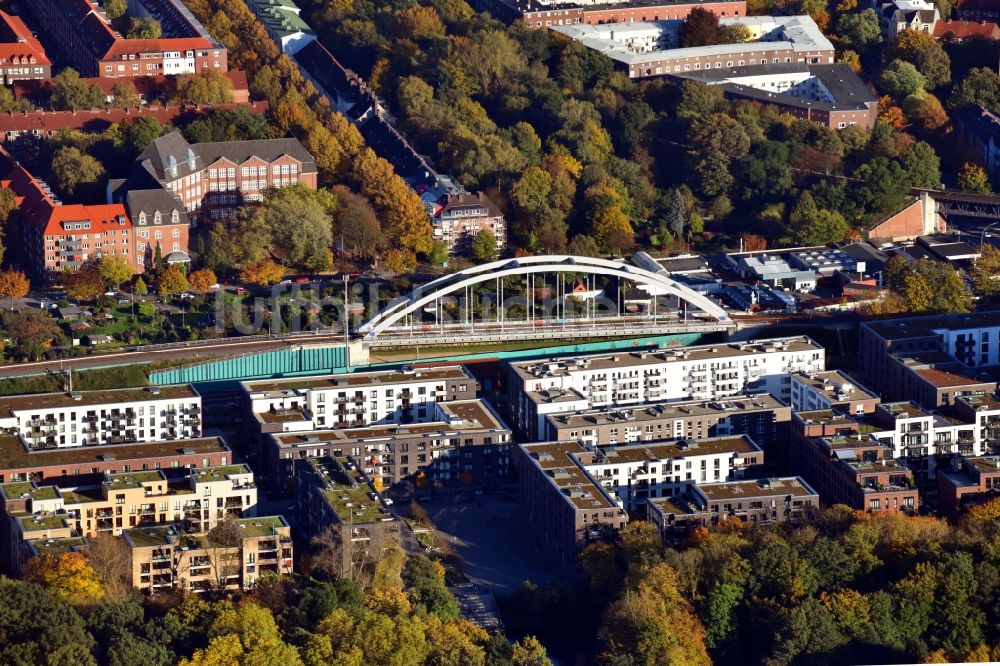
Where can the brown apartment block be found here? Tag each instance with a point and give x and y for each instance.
(751, 502)
(464, 441)
(166, 557)
(334, 496)
(761, 416)
(976, 480)
(87, 464)
(562, 500)
(831, 452)
(931, 360)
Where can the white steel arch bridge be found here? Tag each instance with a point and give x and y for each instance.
(692, 311)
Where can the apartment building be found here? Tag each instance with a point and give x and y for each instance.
(95, 48)
(335, 493)
(751, 502)
(621, 379)
(782, 39)
(460, 217)
(283, 21)
(637, 472)
(899, 357)
(22, 57)
(547, 13)
(87, 464)
(92, 418)
(199, 502)
(847, 467)
(562, 500)
(355, 399)
(462, 441)
(760, 416)
(218, 176)
(899, 15)
(832, 389)
(975, 479)
(168, 557)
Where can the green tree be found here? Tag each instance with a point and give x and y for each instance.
(923, 168)
(73, 169)
(926, 54)
(115, 9)
(209, 87)
(981, 85)
(38, 627)
(698, 100)
(901, 79)
(300, 226)
(33, 333)
(484, 245)
(70, 92)
(723, 601)
(918, 294)
(126, 96)
(138, 132)
(145, 27)
(356, 224)
(861, 31)
(140, 287)
(424, 580)
(583, 245)
(701, 28)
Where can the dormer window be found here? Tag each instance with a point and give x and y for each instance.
(175, 217)
(142, 218)
(156, 217)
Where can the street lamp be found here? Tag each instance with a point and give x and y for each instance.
(982, 236)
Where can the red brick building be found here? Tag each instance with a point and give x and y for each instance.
(217, 176)
(976, 480)
(21, 54)
(48, 236)
(546, 14)
(95, 48)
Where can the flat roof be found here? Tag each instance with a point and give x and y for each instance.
(835, 386)
(282, 416)
(26, 403)
(667, 450)
(83, 495)
(904, 409)
(19, 489)
(39, 522)
(556, 460)
(984, 401)
(557, 366)
(133, 479)
(984, 464)
(150, 536)
(942, 378)
(730, 490)
(471, 415)
(56, 546)
(13, 455)
(357, 380)
(261, 525)
(219, 472)
(916, 327)
(348, 495)
(666, 410)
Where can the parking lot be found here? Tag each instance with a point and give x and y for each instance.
(498, 547)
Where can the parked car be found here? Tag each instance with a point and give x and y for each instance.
(187, 296)
(285, 282)
(302, 280)
(122, 301)
(240, 291)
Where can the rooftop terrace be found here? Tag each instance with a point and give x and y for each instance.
(14, 456)
(357, 380)
(29, 403)
(348, 492)
(656, 451)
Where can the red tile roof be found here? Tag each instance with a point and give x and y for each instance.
(101, 217)
(966, 29)
(134, 46)
(17, 42)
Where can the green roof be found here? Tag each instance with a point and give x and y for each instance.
(351, 501)
(134, 479)
(17, 489)
(262, 526)
(146, 537)
(220, 473)
(31, 523)
(56, 546)
(83, 495)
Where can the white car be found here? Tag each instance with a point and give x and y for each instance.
(187, 296)
(111, 292)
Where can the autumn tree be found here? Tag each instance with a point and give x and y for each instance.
(701, 28)
(112, 563)
(85, 283)
(986, 272)
(68, 575)
(752, 242)
(172, 282)
(927, 55)
(145, 27)
(71, 93)
(209, 87)
(973, 178)
(125, 95)
(115, 269)
(262, 271)
(356, 225)
(245, 634)
(13, 284)
(653, 623)
(202, 280)
(33, 331)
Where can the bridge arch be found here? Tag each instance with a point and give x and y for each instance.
(660, 284)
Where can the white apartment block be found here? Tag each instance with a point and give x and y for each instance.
(356, 399)
(829, 390)
(635, 472)
(89, 418)
(537, 389)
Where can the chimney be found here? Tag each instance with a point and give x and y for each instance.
(480, 196)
